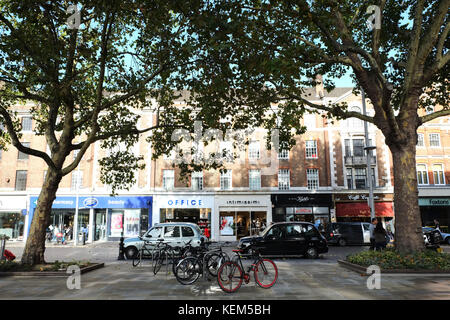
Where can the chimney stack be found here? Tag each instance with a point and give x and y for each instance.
(319, 86)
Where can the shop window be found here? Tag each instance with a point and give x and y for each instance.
(283, 179)
(254, 150)
(438, 174)
(187, 232)
(254, 177)
(21, 180)
(227, 226)
(312, 178)
(172, 232)
(422, 174)
(225, 180)
(311, 149)
(435, 140)
(12, 224)
(21, 155)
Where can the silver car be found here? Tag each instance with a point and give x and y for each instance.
(176, 234)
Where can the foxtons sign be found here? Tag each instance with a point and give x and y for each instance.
(434, 202)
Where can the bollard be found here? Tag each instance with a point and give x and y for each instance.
(84, 238)
(121, 257)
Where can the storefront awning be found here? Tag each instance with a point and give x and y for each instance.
(361, 209)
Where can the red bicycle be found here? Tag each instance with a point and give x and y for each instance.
(231, 275)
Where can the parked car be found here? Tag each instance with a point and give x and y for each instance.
(173, 233)
(343, 233)
(288, 239)
(445, 236)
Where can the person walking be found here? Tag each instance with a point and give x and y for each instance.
(380, 237)
(372, 235)
(436, 225)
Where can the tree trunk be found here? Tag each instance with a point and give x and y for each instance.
(408, 225)
(35, 246)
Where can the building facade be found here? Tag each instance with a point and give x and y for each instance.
(321, 179)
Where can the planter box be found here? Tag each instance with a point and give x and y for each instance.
(91, 267)
(362, 270)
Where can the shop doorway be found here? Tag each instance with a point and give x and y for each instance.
(242, 223)
(100, 225)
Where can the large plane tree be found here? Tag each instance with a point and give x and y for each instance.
(267, 51)
(88, 68)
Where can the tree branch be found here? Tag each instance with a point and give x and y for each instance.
(434, 115)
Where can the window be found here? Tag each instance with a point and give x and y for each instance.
(253, 150)
(172, 232)
(283, 179)
(283, 155)
(312, 178)
(310, 120)
(226, 151)
(21, 180)
(254, 179)
(435, 140)
(311, 149)
(348, 147)
(21, 155)
(26, 124)
(225, 180)
(422, 174)
(438, 174)
(77, 179)
(420, 141)
(197, 180)
(187, 232)
(293, 230)
(360, 178)
(349, 178)
(355, 122)
(155, 232)
(277, 232)
(168, 179)
(358, 147)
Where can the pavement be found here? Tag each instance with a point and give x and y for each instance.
(298, 278)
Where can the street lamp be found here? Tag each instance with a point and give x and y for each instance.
(368, 149)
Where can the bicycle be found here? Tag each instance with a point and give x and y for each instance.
(189, 269)
(147, 249)
(263, 269)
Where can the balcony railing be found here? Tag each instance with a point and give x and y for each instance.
(358, 161)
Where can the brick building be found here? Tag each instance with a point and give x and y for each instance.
(323, 177)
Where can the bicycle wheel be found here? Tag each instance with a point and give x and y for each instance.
(230, 276)
(137, 259)
(159, 262)
(215, 261)
(266, 273)
(188, 271)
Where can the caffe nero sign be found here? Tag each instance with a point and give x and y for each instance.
(434, 202)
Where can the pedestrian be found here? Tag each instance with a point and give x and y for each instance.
(380, 237)
(372, 235)
(436, 225)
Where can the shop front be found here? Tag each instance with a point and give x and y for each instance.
(197, 209)
(104, 218)
(241, 216)
(436, 208)
(313, 208)
(355, 208)
(12, 216)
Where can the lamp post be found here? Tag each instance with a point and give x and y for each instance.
(368, 149)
